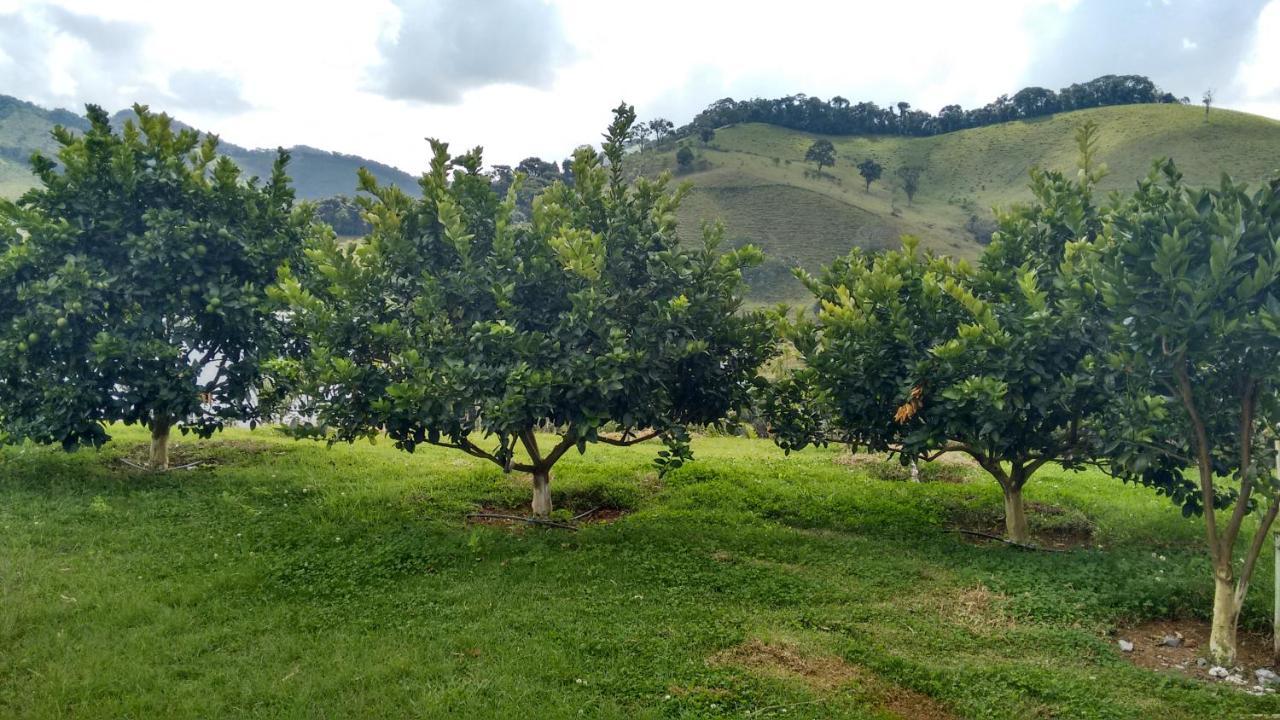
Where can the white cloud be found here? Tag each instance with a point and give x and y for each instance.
(314, 73)
(1189, 44)
(442, 48)
(1258, 80)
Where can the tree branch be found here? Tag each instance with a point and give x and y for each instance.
(531, 446)
(1163, 449)
(624, 442)
(474, 450)
(1255, 549)
(566, 442)
(1247, 398)
(1036, 464)
(1203, 460)
(946, 448)
(991, 465)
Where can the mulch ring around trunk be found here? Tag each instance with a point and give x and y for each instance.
(1052, 527)
(520, 517)
(1182, 646)
(195, 454)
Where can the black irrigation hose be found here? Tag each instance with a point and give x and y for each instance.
(989, 536)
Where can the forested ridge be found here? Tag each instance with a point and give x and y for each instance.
(839, 116)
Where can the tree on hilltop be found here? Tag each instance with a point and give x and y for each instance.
(822, 153)
(870, 170)
(909, 178)
(660, 128)
(684, 158)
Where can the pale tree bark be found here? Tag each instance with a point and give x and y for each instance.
(541, 493)
(1275, 620)
(1011, 484)
(1229, 589)
(1015, 515)
(159, 459)
(540, 465)
(1222, 633)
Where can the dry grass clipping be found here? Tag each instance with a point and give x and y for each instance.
(825, 673)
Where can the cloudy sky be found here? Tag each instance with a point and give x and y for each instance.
(538, 77)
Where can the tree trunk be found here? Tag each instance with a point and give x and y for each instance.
(915, 471)
(541, 493)
(159, 445)
(1222, 636)
(1015, 515)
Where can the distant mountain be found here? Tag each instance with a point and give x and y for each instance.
(753, 177)
(25, 128)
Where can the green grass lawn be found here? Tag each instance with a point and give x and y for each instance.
(290, 580)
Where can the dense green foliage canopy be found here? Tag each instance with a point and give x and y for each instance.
(133, 284)
(592, 321)
(684, 157)
(870, 170)
(821, 153)
(1190, 281)
(341, 213)
(918, 355)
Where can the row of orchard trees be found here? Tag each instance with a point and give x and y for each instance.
(146, 282)
(1141, 337)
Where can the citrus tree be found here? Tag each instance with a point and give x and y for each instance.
(133, 285)
(1191, 280)
(452, 325)
(919, 355)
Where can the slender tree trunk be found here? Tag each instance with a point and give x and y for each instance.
(915, 471)
(541, 493)
(1222, 635)
(1275, 621)
(159, 445)
(1015, 514)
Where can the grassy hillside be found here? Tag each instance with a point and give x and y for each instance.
(754, 177)
(284, 579)
(24, 128)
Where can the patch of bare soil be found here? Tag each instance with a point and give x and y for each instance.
(825, 673)
(1190, 658)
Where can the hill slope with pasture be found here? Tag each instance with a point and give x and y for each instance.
(25, 128)
(754, 178)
